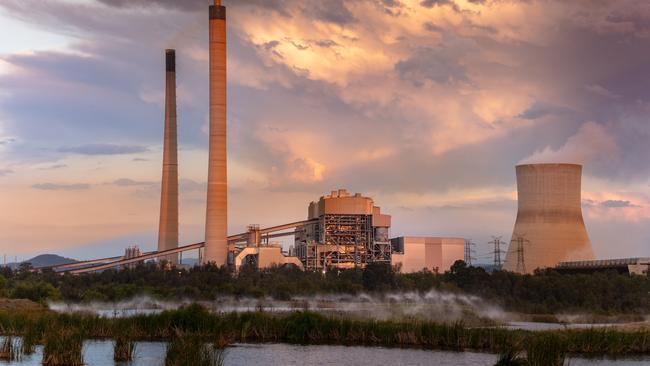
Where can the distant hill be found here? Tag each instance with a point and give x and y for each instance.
(44, 260)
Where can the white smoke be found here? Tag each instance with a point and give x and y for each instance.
(592, 141)
(433, 305)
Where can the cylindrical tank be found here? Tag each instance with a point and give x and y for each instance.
(254, 236)
(549, 227)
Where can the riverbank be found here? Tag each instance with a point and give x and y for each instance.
(316, 329)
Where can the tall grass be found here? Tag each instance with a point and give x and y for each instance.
(546, 349)
(313, 328)
(30, 338)
(123, 348)
(10, 350)
(191, 350)
(63, 347)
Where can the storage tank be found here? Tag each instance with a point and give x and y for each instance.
(549, 228)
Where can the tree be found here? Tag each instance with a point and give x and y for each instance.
(378, 277)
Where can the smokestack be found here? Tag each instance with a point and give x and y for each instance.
(168, 228)
(549, 227)
(216, 225)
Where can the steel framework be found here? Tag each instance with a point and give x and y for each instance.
(341, 241)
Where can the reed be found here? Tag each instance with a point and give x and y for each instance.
(29, 340)
(313, 328)
(10, 350)
(546, 349)
(124, 348)
(63, 347)
(191, 350)
(511, 357)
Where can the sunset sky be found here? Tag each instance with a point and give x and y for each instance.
(424, 105)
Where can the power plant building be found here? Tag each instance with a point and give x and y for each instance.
(343, 231)
(549, 228)
(417, 253)
(168, 224)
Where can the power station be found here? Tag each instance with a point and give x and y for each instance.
(344, 230)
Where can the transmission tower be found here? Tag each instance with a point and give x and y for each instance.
(521, 264)
(469, 251)
(496, 242)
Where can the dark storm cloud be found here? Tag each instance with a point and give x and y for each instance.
(187, 5)
(325, 43)
(617, 204)
(332, 11)
(103, 149)
(430, 64)
(541, 109)
(432, 27)
(432, 3)
(61, 187)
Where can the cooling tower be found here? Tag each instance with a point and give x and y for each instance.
(549, 227)
(216, 232)
(168, 228)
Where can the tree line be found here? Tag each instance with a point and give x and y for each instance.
(544, 292)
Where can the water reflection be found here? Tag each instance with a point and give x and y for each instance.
(100, 353)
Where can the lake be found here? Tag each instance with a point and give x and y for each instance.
(100, 353)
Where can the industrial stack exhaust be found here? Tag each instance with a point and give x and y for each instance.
(216, 225)
(550, 228)
(168, 228)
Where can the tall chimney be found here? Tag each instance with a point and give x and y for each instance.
(168, 228)
(216, 225)
(549, 228)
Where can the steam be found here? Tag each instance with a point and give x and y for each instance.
(433, 305)
(590, 142)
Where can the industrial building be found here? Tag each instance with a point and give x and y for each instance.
(264, 257)
(417, 253)
(343, 231)
(549, 228)
(637, 266)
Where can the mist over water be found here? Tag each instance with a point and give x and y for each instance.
(432, 305)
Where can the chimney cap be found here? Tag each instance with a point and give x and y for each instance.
(170, 59)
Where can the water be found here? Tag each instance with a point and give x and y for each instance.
(553, 326)
(100, 353)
